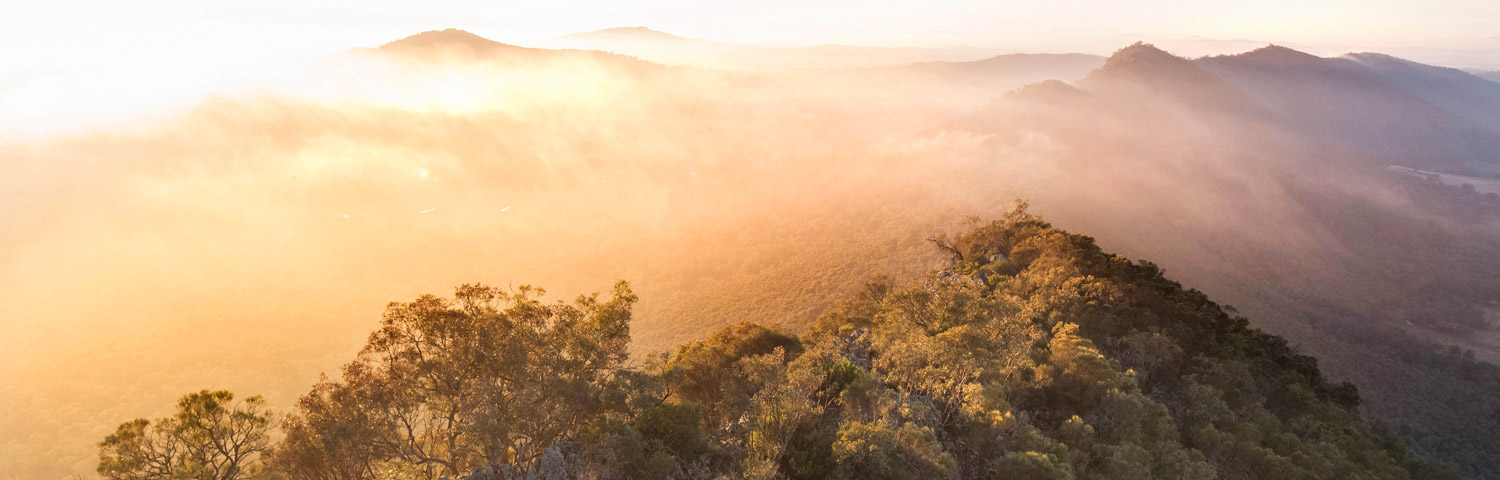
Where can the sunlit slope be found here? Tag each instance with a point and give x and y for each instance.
(246, 242)
(1032, 353)
(1230, 188)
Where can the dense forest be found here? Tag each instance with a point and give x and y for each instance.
(1033, 354)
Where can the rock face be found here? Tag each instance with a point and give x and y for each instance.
(552, 466)
(855, 347)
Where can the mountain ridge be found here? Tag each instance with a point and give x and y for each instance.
(1142, 68)
(445, 37)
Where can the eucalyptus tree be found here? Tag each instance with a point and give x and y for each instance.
(488, 379)
(211, 437)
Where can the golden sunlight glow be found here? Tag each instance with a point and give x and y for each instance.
(226, 194)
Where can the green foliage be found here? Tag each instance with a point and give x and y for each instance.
(810, 453)
(1031, 466)
(704, 371)
(878, 451)
(679, 427)
(1034, 355)
(620, 452)
(488, 379)
(210, 438)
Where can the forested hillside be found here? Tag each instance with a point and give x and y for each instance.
(1032, 355)
(1250, 177)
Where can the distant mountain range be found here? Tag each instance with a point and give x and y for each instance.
(667, 48)
(893, 78)
(1491, 76)
(1065, 66)
(1391, 110)
(453, 41)
(1397, 111)
(628, 34)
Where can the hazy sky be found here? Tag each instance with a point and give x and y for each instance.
(44, 35)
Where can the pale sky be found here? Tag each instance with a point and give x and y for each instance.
(59, 34)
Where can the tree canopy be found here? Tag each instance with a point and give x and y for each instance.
(211, 437)
(1033, 354)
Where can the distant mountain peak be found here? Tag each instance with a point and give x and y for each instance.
(446, 37)
(1142, 60)
(1144, 68)
(1277, 54)
(1139, 50)
(1274, 49)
